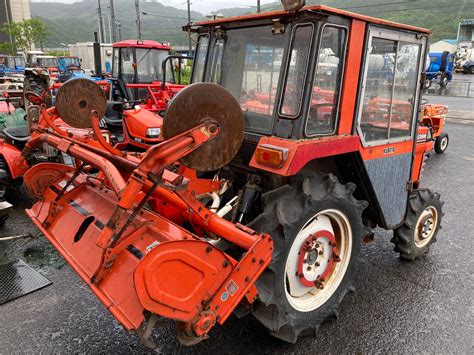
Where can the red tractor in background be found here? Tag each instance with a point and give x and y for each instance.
(145, 78)
(145, 70)
(295, 187)
(144, 73)
(433, 117)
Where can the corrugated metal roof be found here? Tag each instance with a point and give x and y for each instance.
(450, 41)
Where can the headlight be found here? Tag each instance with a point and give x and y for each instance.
(292, 5)
(153, 132)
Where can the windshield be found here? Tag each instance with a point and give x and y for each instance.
(48, 62)
(147, 62)
(71, 61)
(19, 61)
(251, 64)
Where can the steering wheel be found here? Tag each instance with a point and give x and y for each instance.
(129, 104)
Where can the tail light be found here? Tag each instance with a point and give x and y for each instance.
(271, 155)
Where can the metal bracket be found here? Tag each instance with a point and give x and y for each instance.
(277, 27)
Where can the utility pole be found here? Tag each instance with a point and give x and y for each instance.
(119, 28)
(101, 24)
(189, 21)
(110, 30)
(112, 16)
(258, 6)
(139, 25)
(8, 21)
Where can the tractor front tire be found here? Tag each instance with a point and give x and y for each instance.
(317, 229)
(441, 143)
(420, 228)
(444, 81)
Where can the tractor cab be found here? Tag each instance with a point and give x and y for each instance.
(139, 62)
(142, 73)
(46, 62)
(11, 64)
(317, 83)
(69, 63)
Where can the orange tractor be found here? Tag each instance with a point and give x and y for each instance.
(259, 197)
(433, 117)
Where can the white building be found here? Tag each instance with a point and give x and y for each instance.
(466, 33)
(444, 45)
(13, 11)
(85, 51)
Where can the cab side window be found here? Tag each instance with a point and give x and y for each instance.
(324, 104)
(200, 58)
(296, 72)
(389, 90)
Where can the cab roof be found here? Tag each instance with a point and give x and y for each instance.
(140, 43)
(323, 9)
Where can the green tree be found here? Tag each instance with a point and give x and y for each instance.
(6, 48)
(26, 33)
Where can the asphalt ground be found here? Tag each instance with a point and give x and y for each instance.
(406, 307)
(459, 95)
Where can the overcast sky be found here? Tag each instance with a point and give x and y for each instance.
(203, 6)
(207, 6)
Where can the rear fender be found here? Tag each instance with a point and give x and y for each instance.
(12, 156)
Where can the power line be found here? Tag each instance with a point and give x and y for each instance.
(373, 5)
(423, 8)
(163, 16)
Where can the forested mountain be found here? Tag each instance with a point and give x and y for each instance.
(77, 22)
(70, 23)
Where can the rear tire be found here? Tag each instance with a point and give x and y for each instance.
(441, 143)
(420, 228)
(427, 84)
(305, 282)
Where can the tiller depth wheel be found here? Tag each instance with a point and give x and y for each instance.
(200, 102)
(77, 98)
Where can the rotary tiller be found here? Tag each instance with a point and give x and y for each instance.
(100, 224)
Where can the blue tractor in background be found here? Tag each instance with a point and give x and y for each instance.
(11, 64)
(440, 68)
(70, 68)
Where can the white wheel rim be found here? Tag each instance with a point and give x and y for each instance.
(304, 298)
(444, 143)
(426, 226)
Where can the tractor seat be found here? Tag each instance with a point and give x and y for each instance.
(113, 113)
(19, 133)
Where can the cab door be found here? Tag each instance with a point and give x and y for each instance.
(387, 116)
